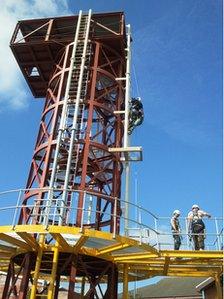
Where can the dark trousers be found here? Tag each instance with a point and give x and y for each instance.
(177, 241)
(199, 242)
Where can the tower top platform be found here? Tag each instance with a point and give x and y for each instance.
(37, 43)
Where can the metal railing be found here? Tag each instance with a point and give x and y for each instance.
(143, 225)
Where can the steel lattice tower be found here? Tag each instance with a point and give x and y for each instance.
(74, 62)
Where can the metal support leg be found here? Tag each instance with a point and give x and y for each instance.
(113, 280)
(126, 212)
(83, 288)
(7, 281)
(125, 281)
(56, 291)
(218, 287)
(25, 278)
(71, 287)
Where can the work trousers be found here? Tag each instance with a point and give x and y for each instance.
(199, 241)
(177, 241)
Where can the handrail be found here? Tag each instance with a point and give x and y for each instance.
(77, 190)
(149, 233)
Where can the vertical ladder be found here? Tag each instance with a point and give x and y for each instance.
(46, 264)
(70, 130)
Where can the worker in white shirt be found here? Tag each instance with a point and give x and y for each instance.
(196, 226)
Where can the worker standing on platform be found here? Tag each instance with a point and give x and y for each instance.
(175, 227)
(196, 227)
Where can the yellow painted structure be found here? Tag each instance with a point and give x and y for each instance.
(135, 260)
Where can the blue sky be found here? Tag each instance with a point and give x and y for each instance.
(177, 60)
(177, 55)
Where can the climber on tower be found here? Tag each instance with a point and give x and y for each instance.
(136, 114)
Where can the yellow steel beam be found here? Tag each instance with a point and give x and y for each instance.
(185, 254)
(61, 241)
(112, 248)
(7, 249)
(190, 274)
(37, 267)
(191, 254)
(152, 273)
(31, 228)
(176, 268)
(80, 243)
(185, 274)
(133, 256)
(171, 254)
(6, 229)
(4, 259)
(29, 239)
(6, 254)
(152, 261)
(149, 261)
(87, 232)
(4, 263)
(140, 262)
(74, 231)
(166, 266)
(51, 289)
(92, 252)
(120, 239)
(14, 241)
(196, 261)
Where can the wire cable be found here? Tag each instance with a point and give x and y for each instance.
(136, 80)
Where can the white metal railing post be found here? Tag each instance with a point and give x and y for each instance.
(16, 209)
(89, 212)
(218, 235)
(156, 230)
(62, 206)
(216, 245)
(127, 85)
(48, 207)
(127, 183)
(114, 217)
(140, 222)
(83, 211)
(186, 228)
(55, 211)
(126, 121)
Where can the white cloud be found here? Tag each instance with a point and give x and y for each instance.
(12, 86)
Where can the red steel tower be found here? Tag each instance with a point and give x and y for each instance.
(78, 63)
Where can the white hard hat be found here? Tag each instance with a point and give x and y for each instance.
(195, 207)
(176, 212)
